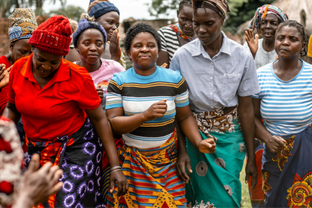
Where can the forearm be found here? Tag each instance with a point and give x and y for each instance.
(246, 115)
(190, 130)
(261, 132)
(104, 131)
(126, 124)
(181, 140)
(11, 112)
(23, 200)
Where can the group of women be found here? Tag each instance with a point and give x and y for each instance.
(156, 137)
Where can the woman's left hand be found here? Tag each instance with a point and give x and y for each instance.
(251, 171)
(122, 184)
(207, 146)
(114, 46)
(182, 162)
(4, 75)
(100, 92)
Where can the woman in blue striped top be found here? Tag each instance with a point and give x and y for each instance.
(285, 105)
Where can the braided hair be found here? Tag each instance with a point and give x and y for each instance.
(300, 28)
(185, 3)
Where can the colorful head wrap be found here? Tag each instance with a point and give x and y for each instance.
(221, 7)
(22, 24)
(99, 7)
(262, 12)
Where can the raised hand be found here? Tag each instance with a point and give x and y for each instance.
(114, 46)
(252, 41)
(38, 185)
(156, 110)
(100, 92)
(4, 75)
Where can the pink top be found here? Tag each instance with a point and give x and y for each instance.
(103, 75)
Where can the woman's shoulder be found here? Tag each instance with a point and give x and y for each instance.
(76, 70)
(169, 75)
(114, 65)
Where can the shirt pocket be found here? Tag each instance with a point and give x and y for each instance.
(230, 84)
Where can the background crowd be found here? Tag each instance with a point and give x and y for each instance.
(79, 129)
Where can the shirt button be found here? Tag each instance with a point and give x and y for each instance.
(211, 77)
(211, 93)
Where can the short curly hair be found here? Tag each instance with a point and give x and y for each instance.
(138, 28)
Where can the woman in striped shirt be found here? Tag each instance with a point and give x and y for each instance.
(176, 35)
(284, 103)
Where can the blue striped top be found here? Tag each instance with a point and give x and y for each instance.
(286, 106)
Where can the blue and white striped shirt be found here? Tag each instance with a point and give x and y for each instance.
(286, 106)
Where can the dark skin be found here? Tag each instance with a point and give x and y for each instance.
(207, 26)
(288, 45)
(268, 28)
(90, 46)
(19, 49)
(185, 16)
(44, 67)
(110, 22)
(144, 53)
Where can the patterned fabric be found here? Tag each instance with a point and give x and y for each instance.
(257, 195)
(218, 173)
(22, 24)
(262, 12)
(80, 158)
(287, 174)
(221, 7)
(135, 94)
(176, 28)
(152, 177)
(216, 121)
(11, 157)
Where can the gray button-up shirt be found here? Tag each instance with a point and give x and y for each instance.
(216, 82)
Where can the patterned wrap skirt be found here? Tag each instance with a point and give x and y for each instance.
(80, 158)
(287, 175)
(152, 177)
(215, 178)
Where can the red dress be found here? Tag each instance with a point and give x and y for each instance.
(4, 91)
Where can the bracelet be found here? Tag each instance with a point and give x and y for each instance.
(115, 168)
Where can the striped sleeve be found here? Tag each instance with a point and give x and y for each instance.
(182, 97)
(163, 40)
(113, 96)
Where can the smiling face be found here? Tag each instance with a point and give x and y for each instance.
(269, 26)
(110, 22)
(144, 52)
(288, 43)
(90, 45)
(185, 16)
(207, 25)
(20, 49)
(44, 63)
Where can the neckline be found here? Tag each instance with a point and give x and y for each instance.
(145, 77)
(292, 79)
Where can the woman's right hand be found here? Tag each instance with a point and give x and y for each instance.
(100, 92)
(114, 46)
(275, 143)
(122, 184)
(156, 110)
(252, 41)
(4, 75)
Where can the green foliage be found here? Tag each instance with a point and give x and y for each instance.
(69, 11)
(158, 7)
(243, 11)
